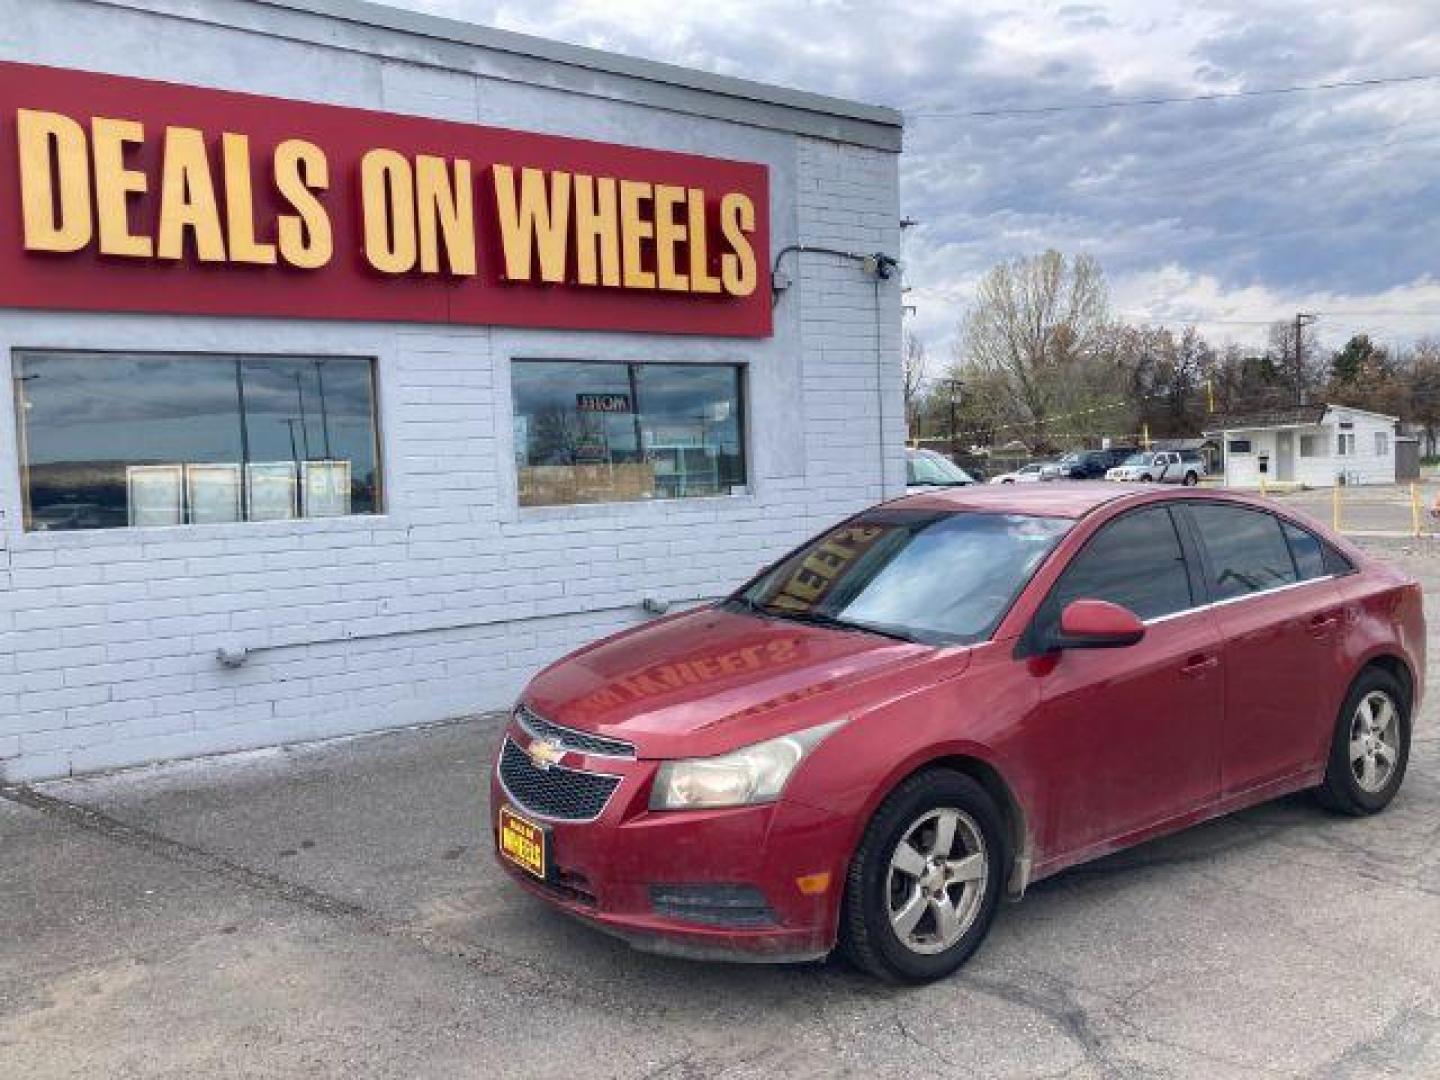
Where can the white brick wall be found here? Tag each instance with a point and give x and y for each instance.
(449, 601)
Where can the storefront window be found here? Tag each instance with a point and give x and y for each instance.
(110, 440)
(600, 432)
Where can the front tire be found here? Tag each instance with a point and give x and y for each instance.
(923, 887)
(1147, 479)
(1370, 748)
(1191, 479)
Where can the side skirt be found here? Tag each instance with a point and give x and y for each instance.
(1229, 804)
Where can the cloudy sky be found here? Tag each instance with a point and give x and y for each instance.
(1228, 213)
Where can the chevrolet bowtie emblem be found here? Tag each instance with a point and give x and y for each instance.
(544, 753)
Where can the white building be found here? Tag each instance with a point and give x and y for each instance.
(1312, 445)
(359, 362)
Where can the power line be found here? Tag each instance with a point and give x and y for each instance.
(1132, 103)
(1196, 318)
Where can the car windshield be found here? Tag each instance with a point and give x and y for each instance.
(934, 469)
(939, 578)
(1140, 459)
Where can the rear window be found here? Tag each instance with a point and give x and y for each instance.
(1247, 549)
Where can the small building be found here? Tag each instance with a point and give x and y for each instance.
(1312, 445)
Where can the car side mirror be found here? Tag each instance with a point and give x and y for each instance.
(1097, 624)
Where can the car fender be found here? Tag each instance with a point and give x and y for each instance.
(1386, 626)
(940, 738)
(861, 806)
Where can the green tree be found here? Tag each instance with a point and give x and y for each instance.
(1347, 363)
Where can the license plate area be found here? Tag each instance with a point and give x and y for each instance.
(524, 843)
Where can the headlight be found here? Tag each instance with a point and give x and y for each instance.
(745, 777)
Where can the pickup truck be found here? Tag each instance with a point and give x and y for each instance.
(1160, 467)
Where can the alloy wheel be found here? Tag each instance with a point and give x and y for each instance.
(936, 882)
(1374, 741)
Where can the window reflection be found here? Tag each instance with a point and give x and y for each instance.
(603, 432)
(932, 577)
(110, 440)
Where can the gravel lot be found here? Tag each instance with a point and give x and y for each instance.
(332, 911)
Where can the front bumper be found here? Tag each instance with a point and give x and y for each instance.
(616, 871)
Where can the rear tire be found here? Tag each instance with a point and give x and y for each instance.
(1147, 479)
(1370, 747)
(924, 885)
(1191, 479)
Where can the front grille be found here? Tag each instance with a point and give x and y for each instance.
(556, 792)
(580, 741)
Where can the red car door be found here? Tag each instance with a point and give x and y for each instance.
(1280, 615)
(1131, 735)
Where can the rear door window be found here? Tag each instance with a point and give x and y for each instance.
(1247, 550)
(1135, 561)
(1308, 552)
(1314, 558)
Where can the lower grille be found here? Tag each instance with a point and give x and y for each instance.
(572, 887)
(712, 905)
(556, 792)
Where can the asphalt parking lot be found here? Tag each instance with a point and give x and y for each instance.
(333, 911)
(1382, 511)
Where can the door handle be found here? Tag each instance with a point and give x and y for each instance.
(1199, 664)
(1320, 625)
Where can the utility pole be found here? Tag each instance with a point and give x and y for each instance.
(954, 385)
(1302, 320)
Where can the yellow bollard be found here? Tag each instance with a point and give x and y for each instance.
(1335, 507)
(1414, 510)
(1262, 485)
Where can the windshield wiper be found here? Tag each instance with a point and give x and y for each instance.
(754, 607)
(817, 618)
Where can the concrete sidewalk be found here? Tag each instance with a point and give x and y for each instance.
(332, 911)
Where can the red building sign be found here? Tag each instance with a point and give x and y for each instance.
(121, 194)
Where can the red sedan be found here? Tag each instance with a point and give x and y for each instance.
(943, 699)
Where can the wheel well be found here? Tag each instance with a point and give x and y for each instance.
(1399, 670)
(1019, 850)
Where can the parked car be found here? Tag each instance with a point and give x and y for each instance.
(944, 699)
(1088, 464)
(925, 469)
(1160, 467)
(1026, 474)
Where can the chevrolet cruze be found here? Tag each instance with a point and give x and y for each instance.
(943, 699)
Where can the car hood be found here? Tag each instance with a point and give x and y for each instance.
(709, 680)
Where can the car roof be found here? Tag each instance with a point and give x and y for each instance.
(1077, 498)
(1071, 499)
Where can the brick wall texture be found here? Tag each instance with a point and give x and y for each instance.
(449, 601)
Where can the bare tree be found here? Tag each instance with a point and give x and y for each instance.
(1423, 379)
(1167, 375)
(914, 370)
(1036, 324)
(1314, 368)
